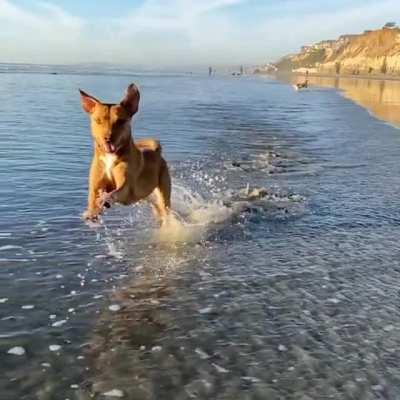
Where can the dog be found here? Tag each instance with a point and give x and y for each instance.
(123, 170)
(301, 85)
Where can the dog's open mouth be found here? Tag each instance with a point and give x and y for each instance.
(109, 147)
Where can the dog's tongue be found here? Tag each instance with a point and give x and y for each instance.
(110, 148)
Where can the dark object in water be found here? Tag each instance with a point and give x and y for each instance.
(236, 164)
(302, 85)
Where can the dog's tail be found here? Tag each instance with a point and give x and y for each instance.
(151, 145)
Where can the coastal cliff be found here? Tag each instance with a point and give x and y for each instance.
(374, 52)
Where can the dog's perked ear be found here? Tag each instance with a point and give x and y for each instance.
(88, 102)
(131, 100)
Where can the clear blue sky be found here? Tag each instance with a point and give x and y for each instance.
(176, 32)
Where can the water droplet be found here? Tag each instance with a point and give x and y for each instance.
(114, 393)
(59, 323)
(17, 351)
(28, 307)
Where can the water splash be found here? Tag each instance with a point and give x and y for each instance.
(192, 216)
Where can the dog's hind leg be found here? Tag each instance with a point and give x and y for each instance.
(165, 184)
(162, 193)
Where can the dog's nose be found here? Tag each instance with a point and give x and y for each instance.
(108, 140)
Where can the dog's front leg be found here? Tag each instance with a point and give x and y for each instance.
(96, 186)
(121, 193)
(106, 199)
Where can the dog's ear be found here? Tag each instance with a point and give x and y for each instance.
(131, 100)
(88, 102)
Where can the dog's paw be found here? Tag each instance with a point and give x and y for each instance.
(90, 215)
(104, 200)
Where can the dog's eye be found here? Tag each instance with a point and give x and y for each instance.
(98, 121)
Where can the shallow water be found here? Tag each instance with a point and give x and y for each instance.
(288, 293)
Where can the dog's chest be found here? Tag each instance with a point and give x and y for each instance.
(108, 162)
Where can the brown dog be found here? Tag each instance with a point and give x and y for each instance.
(122, 170)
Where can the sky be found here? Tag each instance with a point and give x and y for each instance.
(161, 33)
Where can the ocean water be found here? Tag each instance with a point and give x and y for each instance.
(281, 280)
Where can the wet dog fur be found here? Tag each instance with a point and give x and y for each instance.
(123, 170)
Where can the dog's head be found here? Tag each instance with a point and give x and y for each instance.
(110, 123)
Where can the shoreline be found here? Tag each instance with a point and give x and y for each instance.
(378, 95)
(375, 77)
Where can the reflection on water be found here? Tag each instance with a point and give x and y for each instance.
(129, 336)
(381, 97)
